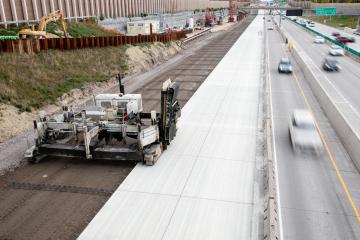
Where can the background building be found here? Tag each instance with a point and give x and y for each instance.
(18, 11)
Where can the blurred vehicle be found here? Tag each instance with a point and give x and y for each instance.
(336, 34)
(343, 40)
(303, 134)
(302, 22)
(268, 20)
(336, 50)
(330, 65)
(319, 40)
(270, 28)
(350, 39)
(284, 66)
(311, 24)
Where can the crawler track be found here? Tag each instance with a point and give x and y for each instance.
(57, 198)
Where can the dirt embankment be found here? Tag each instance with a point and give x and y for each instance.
(52, 79)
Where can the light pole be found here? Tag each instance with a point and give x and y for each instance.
(332, 5)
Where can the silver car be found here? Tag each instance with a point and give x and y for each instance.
(335, 50)
(304, 136)
(319, 40)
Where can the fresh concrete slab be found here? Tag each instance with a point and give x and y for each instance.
(203, 186)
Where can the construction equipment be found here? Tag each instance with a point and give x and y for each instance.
(41, 32)
(231, 12)
(115, 128)
(210, 18)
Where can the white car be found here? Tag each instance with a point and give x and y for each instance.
(319, 40)
(270, 28)
(335, 50)
(304, 136)
(311, 24)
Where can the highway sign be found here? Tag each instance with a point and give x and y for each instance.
(325, 11)
(295, 12)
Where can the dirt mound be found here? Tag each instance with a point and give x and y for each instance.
(143, 57)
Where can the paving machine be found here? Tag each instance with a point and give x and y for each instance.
(114, 128)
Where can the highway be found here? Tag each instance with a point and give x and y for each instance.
(312, 199)
(327, 30)
(213, 181)
(346, 81)
(42, 214)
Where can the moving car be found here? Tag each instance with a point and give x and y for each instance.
(330, 65)
(311, 24)
(270, 28)
(350, 39)
(284, 66)
(336, 50)
(336, 34)
(302, 22)
(343, 40)
(304, 136)
(319, 40)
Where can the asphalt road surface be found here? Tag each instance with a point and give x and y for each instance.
(312, 200)
(347, 80)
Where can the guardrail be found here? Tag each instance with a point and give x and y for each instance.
(36, 45)
(195, 36)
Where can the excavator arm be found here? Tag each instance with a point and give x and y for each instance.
(53, 17)
(41, 32)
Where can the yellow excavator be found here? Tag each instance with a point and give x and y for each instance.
(41, 32)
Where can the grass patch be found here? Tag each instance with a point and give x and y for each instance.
(8, 32)
(336, 21)
(31, 81)
(79, 29)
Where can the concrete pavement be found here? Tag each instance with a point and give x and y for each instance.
(206, 185)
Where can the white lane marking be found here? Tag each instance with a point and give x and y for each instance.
(324, 75)
(274, 142)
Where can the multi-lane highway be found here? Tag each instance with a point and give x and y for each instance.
(314, 204)
(347, 81)
(327, 30)
(209, 183)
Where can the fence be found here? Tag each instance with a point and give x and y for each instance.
(36, 45)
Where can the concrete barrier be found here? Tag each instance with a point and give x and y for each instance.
(271, 204)
(342, 116)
